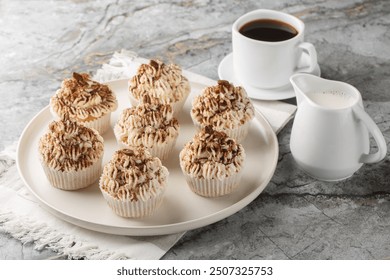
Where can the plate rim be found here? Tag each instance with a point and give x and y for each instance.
(150, 230)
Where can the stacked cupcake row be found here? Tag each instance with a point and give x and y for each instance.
(213, 160)
(157, 94)
(72, 149)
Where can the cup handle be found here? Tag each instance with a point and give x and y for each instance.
(376, 133)
(311, 51)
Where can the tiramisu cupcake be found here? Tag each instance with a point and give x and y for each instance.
(150, 125)
(159, 83)
(212, 163)
(85, 101)
(71, 155)
(133, 183)
(226, 108)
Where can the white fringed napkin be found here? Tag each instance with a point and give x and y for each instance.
(23, 218)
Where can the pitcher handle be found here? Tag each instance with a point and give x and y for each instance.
(311, 51)
(376, 133)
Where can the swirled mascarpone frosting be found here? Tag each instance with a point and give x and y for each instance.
(147, 125)
(223, 106)
(212, 154)
(83, 99)
(160, 83)
(69, 146)
(133, 174)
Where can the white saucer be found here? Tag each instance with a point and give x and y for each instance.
(226, 72)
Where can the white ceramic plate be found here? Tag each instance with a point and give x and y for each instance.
(181, 209)
(226, 72)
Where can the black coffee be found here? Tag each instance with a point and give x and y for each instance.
(268, 30)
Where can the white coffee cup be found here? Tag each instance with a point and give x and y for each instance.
(265, 64)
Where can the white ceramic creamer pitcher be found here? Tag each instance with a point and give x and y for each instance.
(330, 134)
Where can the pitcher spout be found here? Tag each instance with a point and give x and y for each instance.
(302, 84)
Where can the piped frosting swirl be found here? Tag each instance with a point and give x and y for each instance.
(147, 125)
(133, 174)
(69, 146)
(223, 106)
(160, 83)
(83, 99)
(211, 154)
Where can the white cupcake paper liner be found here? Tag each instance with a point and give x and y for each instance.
(213, 187)
(239, 134)
(73, 180)
(100, 124)
(133, 209)
(134, 102)
(160, 150)
(176, 106)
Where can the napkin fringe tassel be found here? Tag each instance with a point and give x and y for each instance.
(27, 231)
(43, 237)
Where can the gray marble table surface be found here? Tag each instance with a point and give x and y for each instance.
(296, 217)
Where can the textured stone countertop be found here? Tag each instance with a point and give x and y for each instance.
(296, 217)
